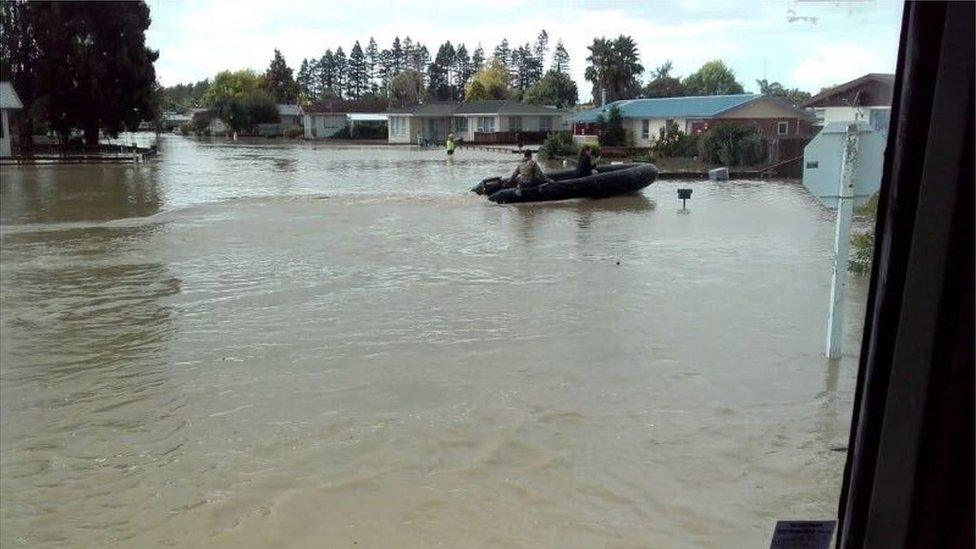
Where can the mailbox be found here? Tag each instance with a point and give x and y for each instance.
(684, 194)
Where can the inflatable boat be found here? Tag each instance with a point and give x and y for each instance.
(609, 180)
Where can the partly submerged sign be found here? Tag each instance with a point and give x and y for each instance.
(823, 161)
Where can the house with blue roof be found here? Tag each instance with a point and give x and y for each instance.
(646, 119)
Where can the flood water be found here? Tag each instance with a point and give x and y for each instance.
(295, 345)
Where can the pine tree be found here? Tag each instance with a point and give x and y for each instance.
(304, 79)
(278, 80)
(357, 81)
(339, 78)
(396, 58)
(502, 52)
(313, 78)
(407, 54)
(541, 49)
(462, 69)
(478, 58)
(560, 58)
(386, 70)
(327, 75)
(372, 65)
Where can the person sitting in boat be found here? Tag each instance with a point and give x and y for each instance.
(584, 164)
(528, 173)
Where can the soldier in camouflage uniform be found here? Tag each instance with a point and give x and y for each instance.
(528, 173)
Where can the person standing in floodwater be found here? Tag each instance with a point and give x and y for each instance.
(449, 144)
(420, 139)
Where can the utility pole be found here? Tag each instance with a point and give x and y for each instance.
(842, 242)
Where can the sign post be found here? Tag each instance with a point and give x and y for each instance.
(842, 243)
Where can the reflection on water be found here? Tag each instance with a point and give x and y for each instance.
(271, 344)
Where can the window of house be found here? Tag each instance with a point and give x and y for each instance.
(461, 124)
(879, 119)
(545, 123)
(820, 114)
(782, 128)
(515, 123)
(486, 124)
(398, 125)
(645, 129)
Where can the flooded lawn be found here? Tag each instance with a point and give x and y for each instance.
(303, 346)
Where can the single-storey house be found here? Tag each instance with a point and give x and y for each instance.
(210, 122)
(866, 98)
(9, 101)
(289, 115)
(646, 119)
(327, 118)
(495, 121)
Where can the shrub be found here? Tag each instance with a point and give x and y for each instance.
(610, 128)
(730, 145)
(558, 144)
(674, 143)
(862, 253)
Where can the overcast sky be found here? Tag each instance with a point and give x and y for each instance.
(826, 43)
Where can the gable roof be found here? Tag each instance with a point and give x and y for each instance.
(495, 106)
(8, 97)
(346, 106)
(695, 106)
(887, 79)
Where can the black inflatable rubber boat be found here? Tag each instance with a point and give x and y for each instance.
(609, 180)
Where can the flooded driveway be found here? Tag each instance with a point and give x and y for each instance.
(302, 346)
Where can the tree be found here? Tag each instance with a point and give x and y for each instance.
(662, 84)
(182, 97)
(610, 128)
(357, 80)
(478, 58)
(229, 85)
(304, 79)
(555, 88)
(560, 58)
(525, 68)
(372, 65)
(93, 71)
(793, 95)
(327, 75)
(614, 68)
(713, 78)
(439, 74)
(340, 66)
(396, 58)
(541, 48)
(503, 52)
(491, 82)
(462, 68)
(407, 88)
(279, 82)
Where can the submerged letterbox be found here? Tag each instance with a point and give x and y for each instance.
(684, 194)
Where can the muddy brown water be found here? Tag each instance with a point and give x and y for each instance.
(261, 344)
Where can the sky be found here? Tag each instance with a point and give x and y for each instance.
(804, 44)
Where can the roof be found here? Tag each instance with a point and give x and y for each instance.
(440, 108)
(285, 109)
(695, 106)
(884, 78)
(504, 106)
(340, 106)
(496, 106)
(8, 97)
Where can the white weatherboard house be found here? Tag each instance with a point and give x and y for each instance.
(495, 121)
(646, 119)
(8, 102)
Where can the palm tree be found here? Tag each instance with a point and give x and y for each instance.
(614, 69)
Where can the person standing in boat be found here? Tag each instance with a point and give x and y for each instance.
(584, 164)
(449, 144)
(528, 173)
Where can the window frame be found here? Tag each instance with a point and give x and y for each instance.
(779, 127)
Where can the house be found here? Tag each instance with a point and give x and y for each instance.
(646, 119)
(210, 122)
(9, 101)
(289, 115)
(866, 98)
(495, 121)
(327, 118)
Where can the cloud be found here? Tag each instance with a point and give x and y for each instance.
(832, 64)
